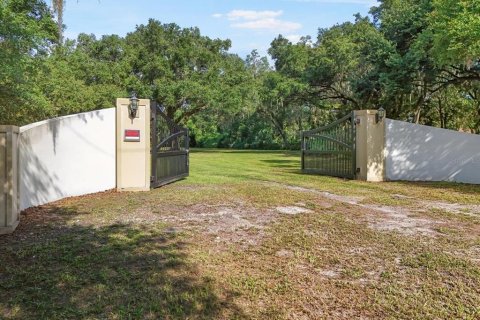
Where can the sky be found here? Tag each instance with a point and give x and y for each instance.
(249, 24)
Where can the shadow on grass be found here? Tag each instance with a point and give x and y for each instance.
(53, 270)
(278, 163)
(448, 186)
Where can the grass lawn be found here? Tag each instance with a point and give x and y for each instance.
(247, 236)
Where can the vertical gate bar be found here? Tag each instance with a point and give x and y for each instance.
(344, 167)
(334, 147)
(354, 147)
(333, 154)
(329, 160)
(302, 147)
(187, 149)
(326, 159)
(345, 170)
(337, 149)
(339, 156)
(334, 161)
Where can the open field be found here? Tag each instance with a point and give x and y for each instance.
(247, 236)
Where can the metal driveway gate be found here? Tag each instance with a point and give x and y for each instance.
(330, 150)
(170, 154)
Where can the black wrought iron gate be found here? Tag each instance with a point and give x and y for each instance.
(330, 150)
(170, 153)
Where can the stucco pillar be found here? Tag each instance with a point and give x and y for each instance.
(370, 146)
(9, 211)
(133, 146)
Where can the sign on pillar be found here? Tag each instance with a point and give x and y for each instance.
(133, 144)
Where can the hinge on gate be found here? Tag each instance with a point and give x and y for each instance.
(152, 178)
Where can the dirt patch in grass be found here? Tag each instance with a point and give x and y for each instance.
(293, 210)
(243, 223)
(400, 220)
(456, 208)
(226, 224)
(328, 195)
(382, 218)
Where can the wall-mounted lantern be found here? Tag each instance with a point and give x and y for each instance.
(380, 115)
(163, 109)
(133, 105)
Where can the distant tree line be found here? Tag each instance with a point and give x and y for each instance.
(418, 59)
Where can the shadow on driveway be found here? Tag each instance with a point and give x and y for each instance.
(51, 269)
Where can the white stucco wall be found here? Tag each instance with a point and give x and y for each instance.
(421, 153)
(67, 156)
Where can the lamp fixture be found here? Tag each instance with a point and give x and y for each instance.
(380, 115)
(133, 105)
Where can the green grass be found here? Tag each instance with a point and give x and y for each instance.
(233, 167)
(214, 247)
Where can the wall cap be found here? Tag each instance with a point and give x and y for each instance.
(365, 112)
(39, 123)
(8, 128)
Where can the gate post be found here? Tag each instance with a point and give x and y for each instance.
(370, 145)
(133, 145)
(9, 197)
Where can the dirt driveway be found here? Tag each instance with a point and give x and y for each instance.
(260, 243)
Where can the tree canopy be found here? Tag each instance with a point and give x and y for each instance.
(418, 59)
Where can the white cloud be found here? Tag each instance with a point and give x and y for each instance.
(293, 38)
(267, 20)
(269, 24)
(252, 15)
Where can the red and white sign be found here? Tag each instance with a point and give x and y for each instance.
(132, 136)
